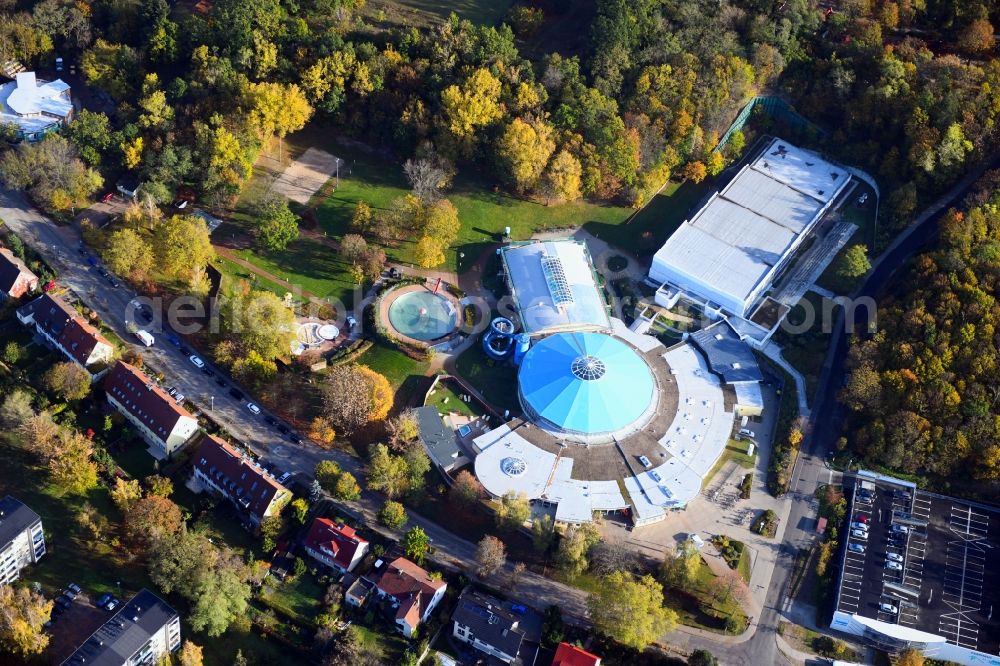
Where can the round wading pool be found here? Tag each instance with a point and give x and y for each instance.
(423, 315)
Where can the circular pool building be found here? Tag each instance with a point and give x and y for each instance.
(590, 387)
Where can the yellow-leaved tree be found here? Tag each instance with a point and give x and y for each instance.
(474, 104)
(524, 149)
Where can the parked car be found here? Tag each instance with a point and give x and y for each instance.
(74, 588)
(746, 432)
(197, 362)
(862, 518)
(70, 594)
(645, 462)
(207, 372)
(284, 477)
(888, 608)
(900, 529)
(174, 340)
(282, 429)
(63, 602)
(296, 439)
(236, 393)
(860, 534)
(107, 198)
(271, 421)
(893, 566)
(859, 526)
(171, 391)
(351, 321)
(254, 409)
(103, 600)
(894, 557)
(178, 397)
(220, 381)
(113, 604)
(856, 548)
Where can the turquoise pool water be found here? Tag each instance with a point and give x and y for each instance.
(423, 315)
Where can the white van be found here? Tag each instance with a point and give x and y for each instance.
(145, 337)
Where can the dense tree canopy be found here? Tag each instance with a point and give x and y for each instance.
(923, 389)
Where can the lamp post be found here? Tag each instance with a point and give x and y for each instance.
(212, 399)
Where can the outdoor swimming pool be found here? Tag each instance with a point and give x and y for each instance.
(423, 315)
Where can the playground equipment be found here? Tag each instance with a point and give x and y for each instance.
(498, 342)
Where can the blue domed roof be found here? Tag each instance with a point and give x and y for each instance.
(586, 383)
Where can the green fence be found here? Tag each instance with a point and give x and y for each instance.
(775, 107)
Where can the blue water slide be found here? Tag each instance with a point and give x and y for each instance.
(498, 342)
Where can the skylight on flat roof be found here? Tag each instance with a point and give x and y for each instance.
(555, 278)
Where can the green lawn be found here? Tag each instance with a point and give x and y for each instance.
(135, 460)
(651, 226)
(734, 451)
(447, 401)
(386, 644)
(233, 273)
(707, 612)
(483, 212)
(71, 555)
(394, 364)
(311, 265)
(301, 597)
(257, 649)
(496, 383)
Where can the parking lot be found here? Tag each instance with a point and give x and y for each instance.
(923, 561)
(877, 553)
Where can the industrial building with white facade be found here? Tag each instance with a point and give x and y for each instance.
(733, 250)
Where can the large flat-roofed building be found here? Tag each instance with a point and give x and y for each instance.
(22, 540)
(553, 284)
(735, 247)
(924, 574)
(141, 633)
(35, 107)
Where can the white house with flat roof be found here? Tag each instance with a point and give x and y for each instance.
(735, 247)
(35, 107)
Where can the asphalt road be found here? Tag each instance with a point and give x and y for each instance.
(59, 246)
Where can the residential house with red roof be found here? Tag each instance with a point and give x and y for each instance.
(63, 328)
(16, 279)
(571, 655)
(234, 475)
(164, 424)
(411, 591)
(337, 546)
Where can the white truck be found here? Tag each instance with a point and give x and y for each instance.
(145, 337)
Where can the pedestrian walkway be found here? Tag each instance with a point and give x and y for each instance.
(772, 350)
(813, 262)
